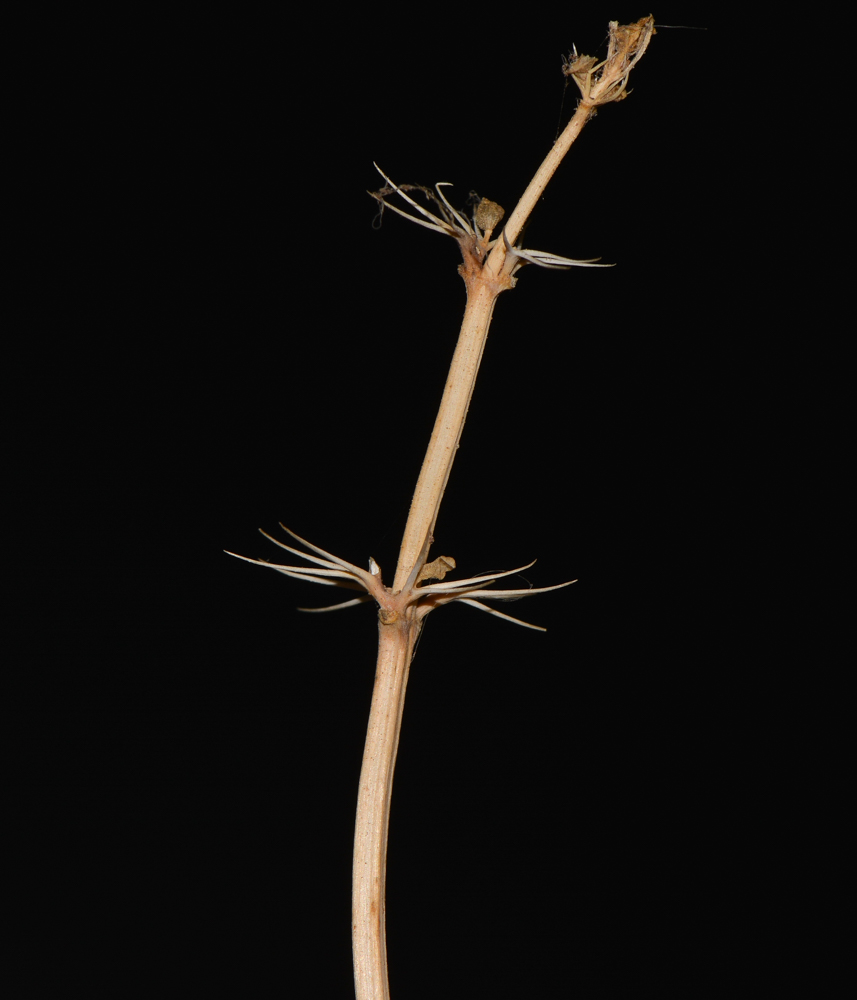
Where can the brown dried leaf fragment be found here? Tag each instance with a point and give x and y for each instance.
(579, 69)
(437, 569)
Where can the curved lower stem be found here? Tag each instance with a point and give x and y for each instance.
(395, 649)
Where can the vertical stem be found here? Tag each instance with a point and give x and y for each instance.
(481, 296)
(399, 625)
(395, 648)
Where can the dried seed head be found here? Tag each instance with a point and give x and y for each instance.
(488, 214)
(602, 82)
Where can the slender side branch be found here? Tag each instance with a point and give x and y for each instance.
(536, 187)
(626, 46)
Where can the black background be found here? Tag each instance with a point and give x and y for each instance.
(225, 342)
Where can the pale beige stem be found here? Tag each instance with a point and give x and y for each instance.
(537, 185)
(395, 649)
(626, 47)
(481, 296)
(399, 613)
(482, 291)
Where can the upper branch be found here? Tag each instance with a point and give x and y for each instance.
(599, 84)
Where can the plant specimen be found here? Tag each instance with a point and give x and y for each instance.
(492, 256)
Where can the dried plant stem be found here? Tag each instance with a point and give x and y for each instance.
(487, 270)
(481, 296)
(396, 640)
(627, 45)
(540, 180)
(395, 648)
(484, 284)
(486, 281)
